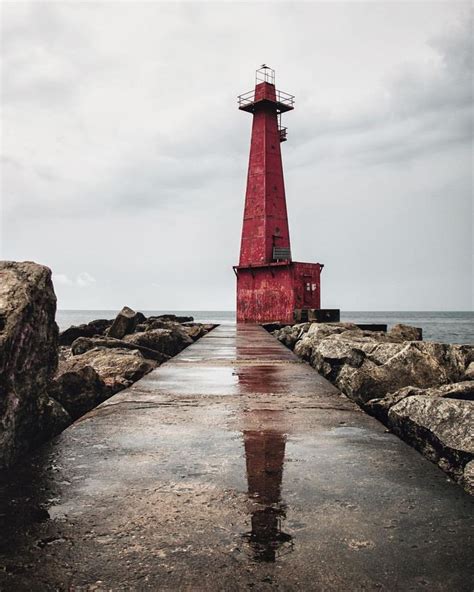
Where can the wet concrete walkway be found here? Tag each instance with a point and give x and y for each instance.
(232, 467)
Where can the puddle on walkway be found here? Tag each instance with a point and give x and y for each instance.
(265, 457)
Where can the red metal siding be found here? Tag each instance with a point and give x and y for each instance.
(265, 295)
(268, 290)
(265, 217)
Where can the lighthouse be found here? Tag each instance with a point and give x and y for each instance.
(270, 285)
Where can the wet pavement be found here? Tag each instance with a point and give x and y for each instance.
(234, 466)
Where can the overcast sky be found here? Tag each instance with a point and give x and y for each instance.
(124, 155)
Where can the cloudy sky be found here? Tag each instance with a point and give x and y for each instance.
(124, 155)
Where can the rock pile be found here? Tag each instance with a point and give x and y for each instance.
(107, 356)
(38, 396)
(422, 391)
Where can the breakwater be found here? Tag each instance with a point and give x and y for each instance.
(422, 391)
(49, 379)
(232, 466)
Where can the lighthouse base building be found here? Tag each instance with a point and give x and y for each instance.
(270, 285)
(281, 291)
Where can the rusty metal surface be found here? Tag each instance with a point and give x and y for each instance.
(232, 467)
(268, 291)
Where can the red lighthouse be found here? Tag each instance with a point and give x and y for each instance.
(270, 285)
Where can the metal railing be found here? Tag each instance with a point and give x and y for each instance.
(248, 98)
(265, 74)
(283, 131)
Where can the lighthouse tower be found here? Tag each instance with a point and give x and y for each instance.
(270, 285)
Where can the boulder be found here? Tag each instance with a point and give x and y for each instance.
(64, 353)
(379, 408)
(195, 331)
(402, 332)
(467, 480)
(331, 355)
(421, 390)
(271, 327)
(308, 339)
(390, 367)
(174, 318)
(167, 341)
(28, 359)
(289, 335)
(125, 323)
(49, 418)
(367, 365)
(78, 388)
(84, 344)
(441, 428)
(469, 374)
(321, 330)
(153, 323)
(97, 327)
(458, 390)
(117, 368)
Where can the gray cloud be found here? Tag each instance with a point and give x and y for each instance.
(420, 109)
(124, 153)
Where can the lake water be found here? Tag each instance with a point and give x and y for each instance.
(447, 327)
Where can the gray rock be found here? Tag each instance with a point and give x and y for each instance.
(420, 390)
(117, 368)
(322, 330)
(272, 327)
(125, 323)
(28, 359)
(331, 355)
(308, 340)
(167, 341)
(402, 332)
(153, 323)
(458, 390)
(469, 374)
(390, 367)
(195, 331)
(367, 365)
(379, 408)
(441, 428)
(174, 318)
(291, 334)
(97, 327)
(467, 479)
(48, 418)
(78, 388)
(84, 344)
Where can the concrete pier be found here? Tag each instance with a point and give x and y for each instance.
(234, 466)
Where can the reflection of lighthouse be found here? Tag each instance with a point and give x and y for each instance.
(265, 453)
(264, 440)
